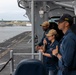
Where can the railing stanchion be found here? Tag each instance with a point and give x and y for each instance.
(40, 56)
(11, 63)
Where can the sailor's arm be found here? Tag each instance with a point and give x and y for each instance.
(47, 54)
(55, 53)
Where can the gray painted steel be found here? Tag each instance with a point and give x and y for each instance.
(50, 0)
(55, 9)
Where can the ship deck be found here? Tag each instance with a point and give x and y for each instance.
(19, 44)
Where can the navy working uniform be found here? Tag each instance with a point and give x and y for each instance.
(48, 43)
(51, 62)
(46, 30)
(67, 49)
(44, 36)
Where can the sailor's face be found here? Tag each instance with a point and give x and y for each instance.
(50, 38)
(44, 28)
(61, 25)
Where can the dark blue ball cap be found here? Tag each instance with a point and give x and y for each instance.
(66, 17)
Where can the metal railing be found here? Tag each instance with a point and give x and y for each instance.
(11, 60)
(13, 54)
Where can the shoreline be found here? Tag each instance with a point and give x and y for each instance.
(11, 31)
(12, 40)
(19, 45)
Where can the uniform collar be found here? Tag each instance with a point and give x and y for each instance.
(68, 31)
(53, 42)
(47, 31)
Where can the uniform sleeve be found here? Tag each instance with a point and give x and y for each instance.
(41, 42)
(68, 51)
(54, 47)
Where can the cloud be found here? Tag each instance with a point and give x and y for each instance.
(10, 8)
(12, 11)
(11, 16)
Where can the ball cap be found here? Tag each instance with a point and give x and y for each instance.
(46, 23)
(66, 17)
(51, 32)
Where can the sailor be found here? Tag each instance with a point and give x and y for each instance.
(50, 61)
(54, 25)
(66, 52)
(45, 26)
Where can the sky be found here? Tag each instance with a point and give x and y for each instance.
(9, 10)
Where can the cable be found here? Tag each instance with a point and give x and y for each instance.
(6, 64)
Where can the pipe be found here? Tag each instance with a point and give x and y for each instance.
(62, 4)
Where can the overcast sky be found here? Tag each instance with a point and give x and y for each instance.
(9, 10)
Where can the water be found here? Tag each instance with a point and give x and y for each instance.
(11, 31)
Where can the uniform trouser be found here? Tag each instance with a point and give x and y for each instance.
(52, 72)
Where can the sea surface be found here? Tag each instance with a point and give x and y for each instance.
(11, 31)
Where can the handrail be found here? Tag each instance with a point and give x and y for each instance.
(12, 62)
(5, 52)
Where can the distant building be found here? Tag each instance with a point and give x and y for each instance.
(14, 23)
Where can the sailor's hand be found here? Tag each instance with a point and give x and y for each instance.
(55, 51)
(38, 47)
(44, 41)
(41, 50)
